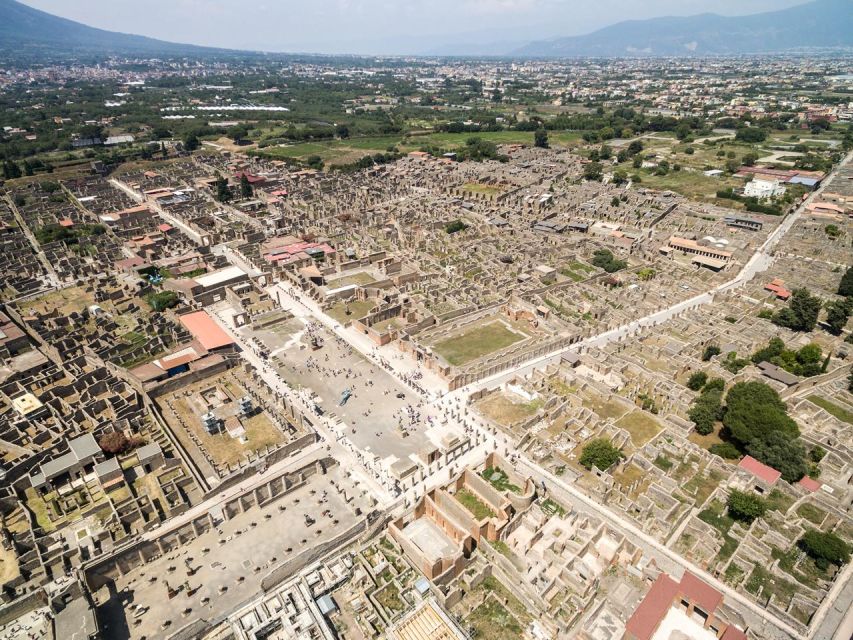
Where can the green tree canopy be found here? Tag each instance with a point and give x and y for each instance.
(845, 287)
(593, 171)
(784, 454)
(745, 506)
(754, 410)
(601, 453)
(801, 312)
(697, 381)
(825, 548)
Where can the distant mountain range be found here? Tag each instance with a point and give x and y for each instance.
(24, 29)
(821, 24)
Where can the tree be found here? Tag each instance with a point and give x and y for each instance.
(751, 134)
(540, 139)
(191, 142)
(745, 506)
(11, 170)
(707, 408)
(162, 300)
(754, 410)
(710, 351)
(845, 287)
(725, 450)
(635, 147)
(824, 548)
(246, 190)
(593, 171)
(749, 159)
(697, 381)
(783, 453)
(683, 131)
(801, 313)
(342, 131)
(603, 258)
(601, 453)
(223, 191)
(116, 442)
(239, 133)
(837, 313)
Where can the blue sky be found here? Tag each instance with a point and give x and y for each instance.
(375, 26)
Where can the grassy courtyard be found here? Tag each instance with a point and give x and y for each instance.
(486, 189)
(477, 507)
(359, 278)
(476, 343)
(357, 309)
(501, 409)
(833, 409)
(492, 620)
(642, 427)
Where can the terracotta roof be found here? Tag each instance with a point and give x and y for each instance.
(733, 633)
(810, 484)
(700, 592)
(760, 470)
(203, 328)
(653, 608)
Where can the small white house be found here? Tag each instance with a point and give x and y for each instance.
(760, 188)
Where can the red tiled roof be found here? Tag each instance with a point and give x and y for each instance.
(760, 470)
(647, 616)
(209, 334)
(733, 633)
(164, 227)
(701, 593)
(66, 222)
(810, 484)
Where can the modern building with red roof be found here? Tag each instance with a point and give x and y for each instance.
(760, 470)
(204, 329)
(690, 607)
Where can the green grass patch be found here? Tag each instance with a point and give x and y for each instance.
(811, 513)
(499, 479)
(479, 188)
(663, 463)
(778, 501)
(493, 621)
(761, 580)
(715, 517)
(551, 508)
(830, 407)
(641, 427)
(476, 343)
(472, 503)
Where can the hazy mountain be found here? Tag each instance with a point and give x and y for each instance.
(823, 24)
(23, 28)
